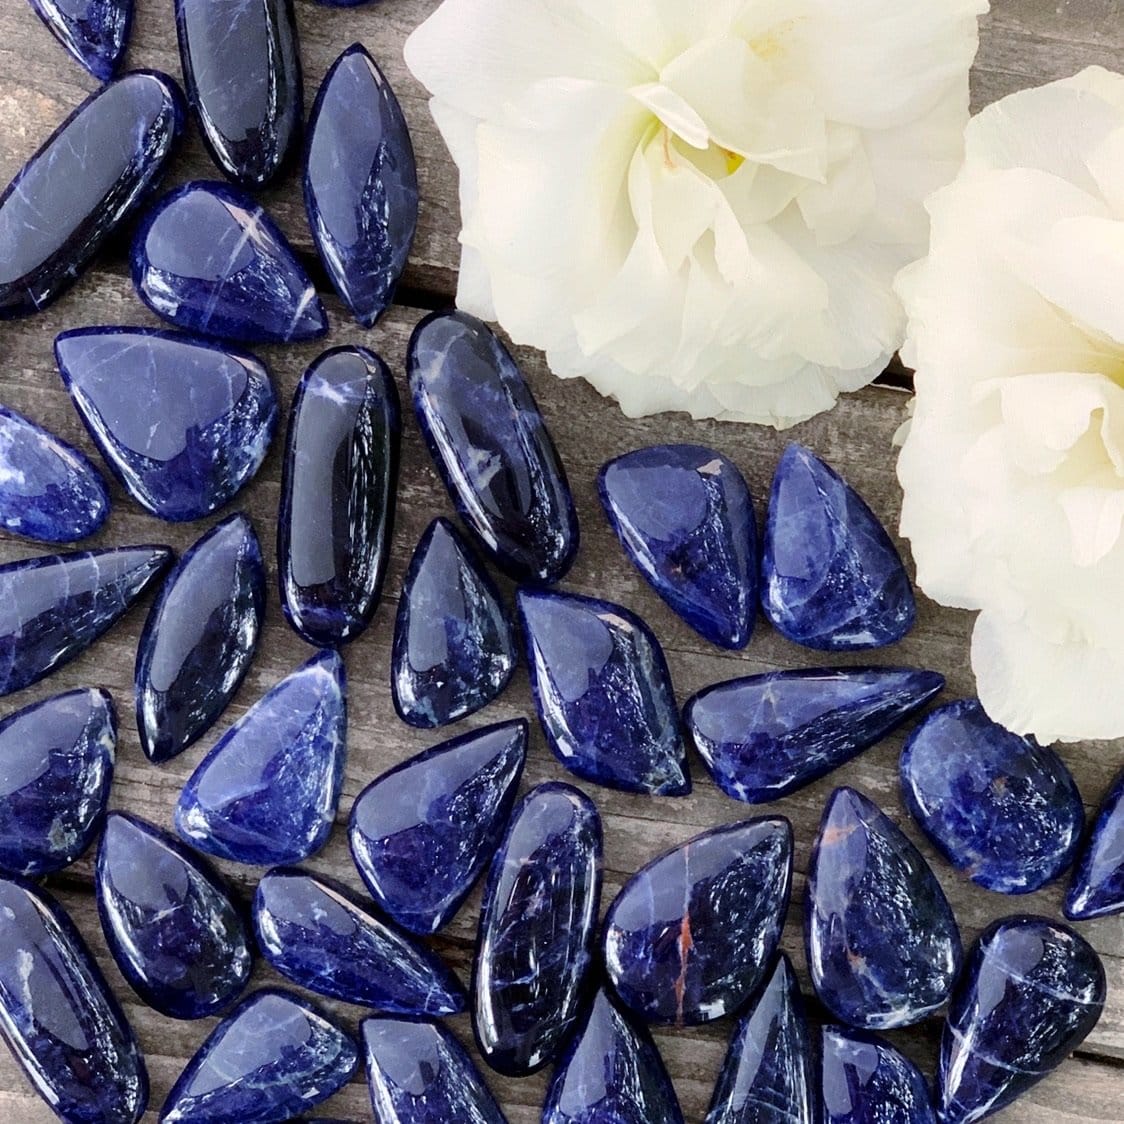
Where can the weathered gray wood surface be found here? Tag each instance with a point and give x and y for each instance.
(1025, 41)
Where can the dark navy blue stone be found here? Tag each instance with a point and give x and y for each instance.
(831, 577)
(603, 693)
(337, 495)
(199, 639)
(267, 792)
(684, 516)
(535, 946)
(418, 1073)
(54, 606)
(765, 736)
(275, 1056)
(1030, 993)
(169, 922)
(491, 446)
(866, 1081)
(1098, 883)
(611, 1071)
(422, 833)
(56, 768)
(360, 184)
(209, 259)
(182, 423)
(242, 70)
(769, 1076)
(319, 936)
(60, 1018)
(998, 806)
(454, 651)
(49, 491)
(89, 174)
(94, 32)
(882, 943)
(690, 936)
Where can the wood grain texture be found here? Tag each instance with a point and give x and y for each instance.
(1024, 42)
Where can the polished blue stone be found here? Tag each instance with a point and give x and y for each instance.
(611, 1071)
(89, 174)
(418, 1073)
(1030, 993)
(49, 491)
(883, 946)
(684, 515)
(209, 259)
(183, 424)
(337, 495)
(1098, 883)
(535, 946)
(317, 934)
(768, 1076)
(56, 768)
(94, 32)
(199, 639)
(866, 1081)
(491, 446)
(54, 606)
(274, 1057)
(998, 806)
(831, 577)
(60, 1018)
(690, 936)
(765, 736)
(267, 793)
(242, 70)
(360, 184)
(454, 651)
(603, 693)
(168, 920)
(422, 833)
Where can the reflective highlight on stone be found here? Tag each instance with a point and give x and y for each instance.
(59, 1016)
(209, 259)
(1098, 883)
(273, 1057)
(603, 693)
(866, 1081)
(173, 930)
(767, 1077)
(49, 491)
(491, 446)
(611, 1071)
(56, 768)
(199, 638)
(94, 32)
(454, 651)
(53, 607)
(765, 736)
(998, 806)
(337, 495)
(684, 516)
(267, 792)
(1030, 993)
(536, 930)
(89, 174)
(883, 946)
(418, 1073)
(690, 936)
(242, 69)
(360, 184)
(422, 833)
(319, 936)
(831, 577)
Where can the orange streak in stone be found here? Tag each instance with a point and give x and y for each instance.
(686, 943)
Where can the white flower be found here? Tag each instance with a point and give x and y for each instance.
(1013, 468)
(699, 204)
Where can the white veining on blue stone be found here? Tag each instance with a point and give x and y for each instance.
(94, 32)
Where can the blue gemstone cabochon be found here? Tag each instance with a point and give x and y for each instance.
(1097, 889)
(94, 32)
